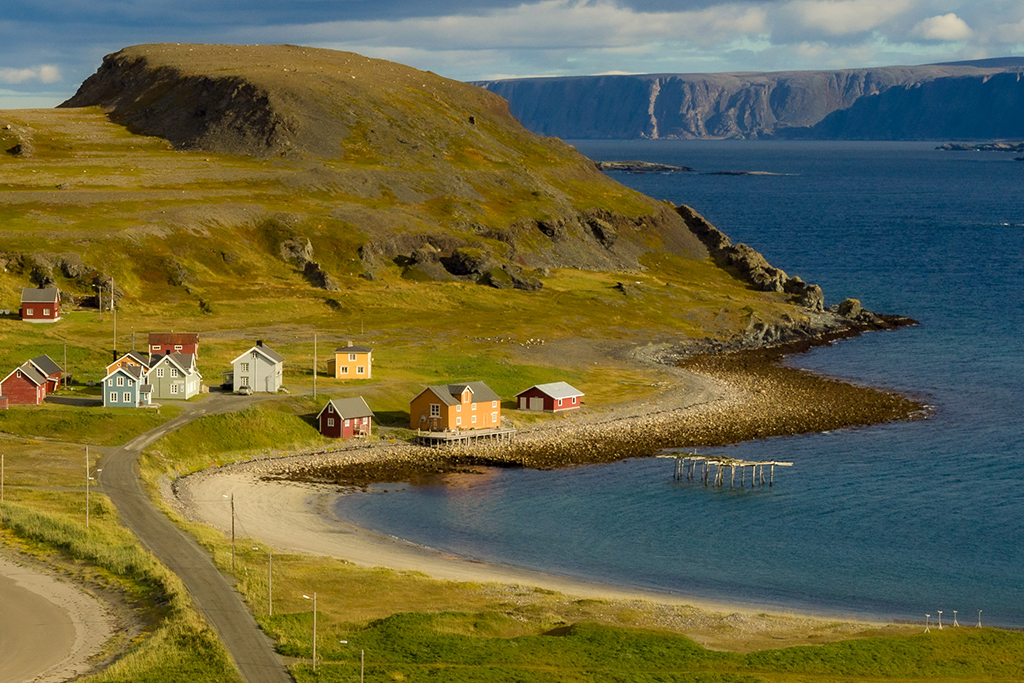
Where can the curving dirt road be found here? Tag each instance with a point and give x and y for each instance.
(211, 590)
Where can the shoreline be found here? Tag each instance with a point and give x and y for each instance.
(61, 630)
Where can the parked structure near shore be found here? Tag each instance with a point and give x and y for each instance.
(471, 405)
(686, 467)
(549, 398)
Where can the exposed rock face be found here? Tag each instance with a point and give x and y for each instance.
(979, 99)
(318, 277)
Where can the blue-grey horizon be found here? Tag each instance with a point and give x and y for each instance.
(50, 47)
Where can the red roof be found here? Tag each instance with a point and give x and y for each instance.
(173, 338)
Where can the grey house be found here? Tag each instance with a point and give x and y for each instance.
(259, 368)
(174, 376)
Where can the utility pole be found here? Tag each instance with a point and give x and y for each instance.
(314, 366)
(1, 477)
(65, 363)
(113, 310)
(232, 531)
(86, 487)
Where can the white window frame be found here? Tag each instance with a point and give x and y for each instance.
(435, 410)
(174, 388)
(348, 423)
(494, 404)
(458, 408)
(120, 380)
(177, 347)
(330, 422)
(494, 418)
(472, 420)
(174, 372)
(458, 422)
(159, 372)
(245, 367)
(472, 406)
(351, 358)
(113, 397)
(46, 311)
(344, 370)
(559, 403)
(360, 369)
(127, 397)
(574, 400)
(29, 311)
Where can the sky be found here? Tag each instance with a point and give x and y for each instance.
(49, 47)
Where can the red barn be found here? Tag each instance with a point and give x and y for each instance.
(50, 370)
(163, 343)
(344, 418)
(24, 386)
(550, 398)
(40, 305)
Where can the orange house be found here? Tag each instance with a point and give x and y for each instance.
(133, 357)
(351, 362)
(472, 405)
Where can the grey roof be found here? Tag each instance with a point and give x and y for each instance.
(133, 371)
(146, 389)
(137, 356)
(45, 365)
(29, 371)
(555, 390)
(272, 355)
(348, 408)
(186, 362)
(353, 349)
(449, 392)
(39, 295)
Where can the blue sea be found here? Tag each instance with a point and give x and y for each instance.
(893, 521)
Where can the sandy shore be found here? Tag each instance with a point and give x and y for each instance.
(50, 629)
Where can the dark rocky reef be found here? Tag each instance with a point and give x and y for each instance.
(641, 167)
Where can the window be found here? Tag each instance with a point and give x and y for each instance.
(472, 420)
(458, 408)
(458, 421)
(466, 395)
(174, 388)
(28, 311)
(330, 422)
(494, 404)
(120, 380)
(435, 410)
(245, 367)
(174, 372)
(154, 347)
(46, 311)
(574, 400)
(127, 397)
(360, 370)
(131, 383)
(559, 403)
(494, 418)
(351, 357)
(348, 423)
(110, 382)
(177, 347)
(113, 397)
(344, 370)
(330, 408)
(472, 406)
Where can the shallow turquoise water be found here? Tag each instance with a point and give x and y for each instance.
(894, 520)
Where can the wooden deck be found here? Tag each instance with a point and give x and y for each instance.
(462, 436)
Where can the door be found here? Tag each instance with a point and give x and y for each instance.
(536, 403)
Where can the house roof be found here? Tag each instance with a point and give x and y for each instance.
(40, 295)
(133, 371)
(266, 351)
(173, 338)
(185, 362)
(450, 393)
(137, 356)
(29, 372)
(45, 365)
(353, 349)
(348, 408)
(555, 390)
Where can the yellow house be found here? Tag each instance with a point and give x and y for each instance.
(472, 405)
(351, 362)
(133, 357)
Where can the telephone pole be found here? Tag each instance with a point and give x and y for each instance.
(314, 366)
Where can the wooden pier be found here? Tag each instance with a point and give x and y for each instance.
(686, 466)
(463, 437)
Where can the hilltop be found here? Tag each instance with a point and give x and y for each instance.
(981, 99)
(214, 186)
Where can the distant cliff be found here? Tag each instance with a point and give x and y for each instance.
(980, 99)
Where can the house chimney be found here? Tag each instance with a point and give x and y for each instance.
(350, 342)
(259, 342)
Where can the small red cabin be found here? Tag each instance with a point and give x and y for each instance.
(550, 398)
(343, 418)
(40, 305)
(24, 386)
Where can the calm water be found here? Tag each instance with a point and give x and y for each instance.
(896, 520)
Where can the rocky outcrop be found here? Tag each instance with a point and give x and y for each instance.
(749, 265)
(980, 99)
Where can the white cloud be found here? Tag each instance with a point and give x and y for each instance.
(844, 17)
(44, 73)
(947, 27)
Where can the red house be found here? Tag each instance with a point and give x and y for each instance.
(45, 365)
(24, 386)
(550, 398)
(344, 418)
(40, 305)
(162, 343)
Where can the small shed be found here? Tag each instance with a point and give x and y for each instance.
(25, 385)
(343, 418)
(260, 368)
(40, 304)
(550, 398)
